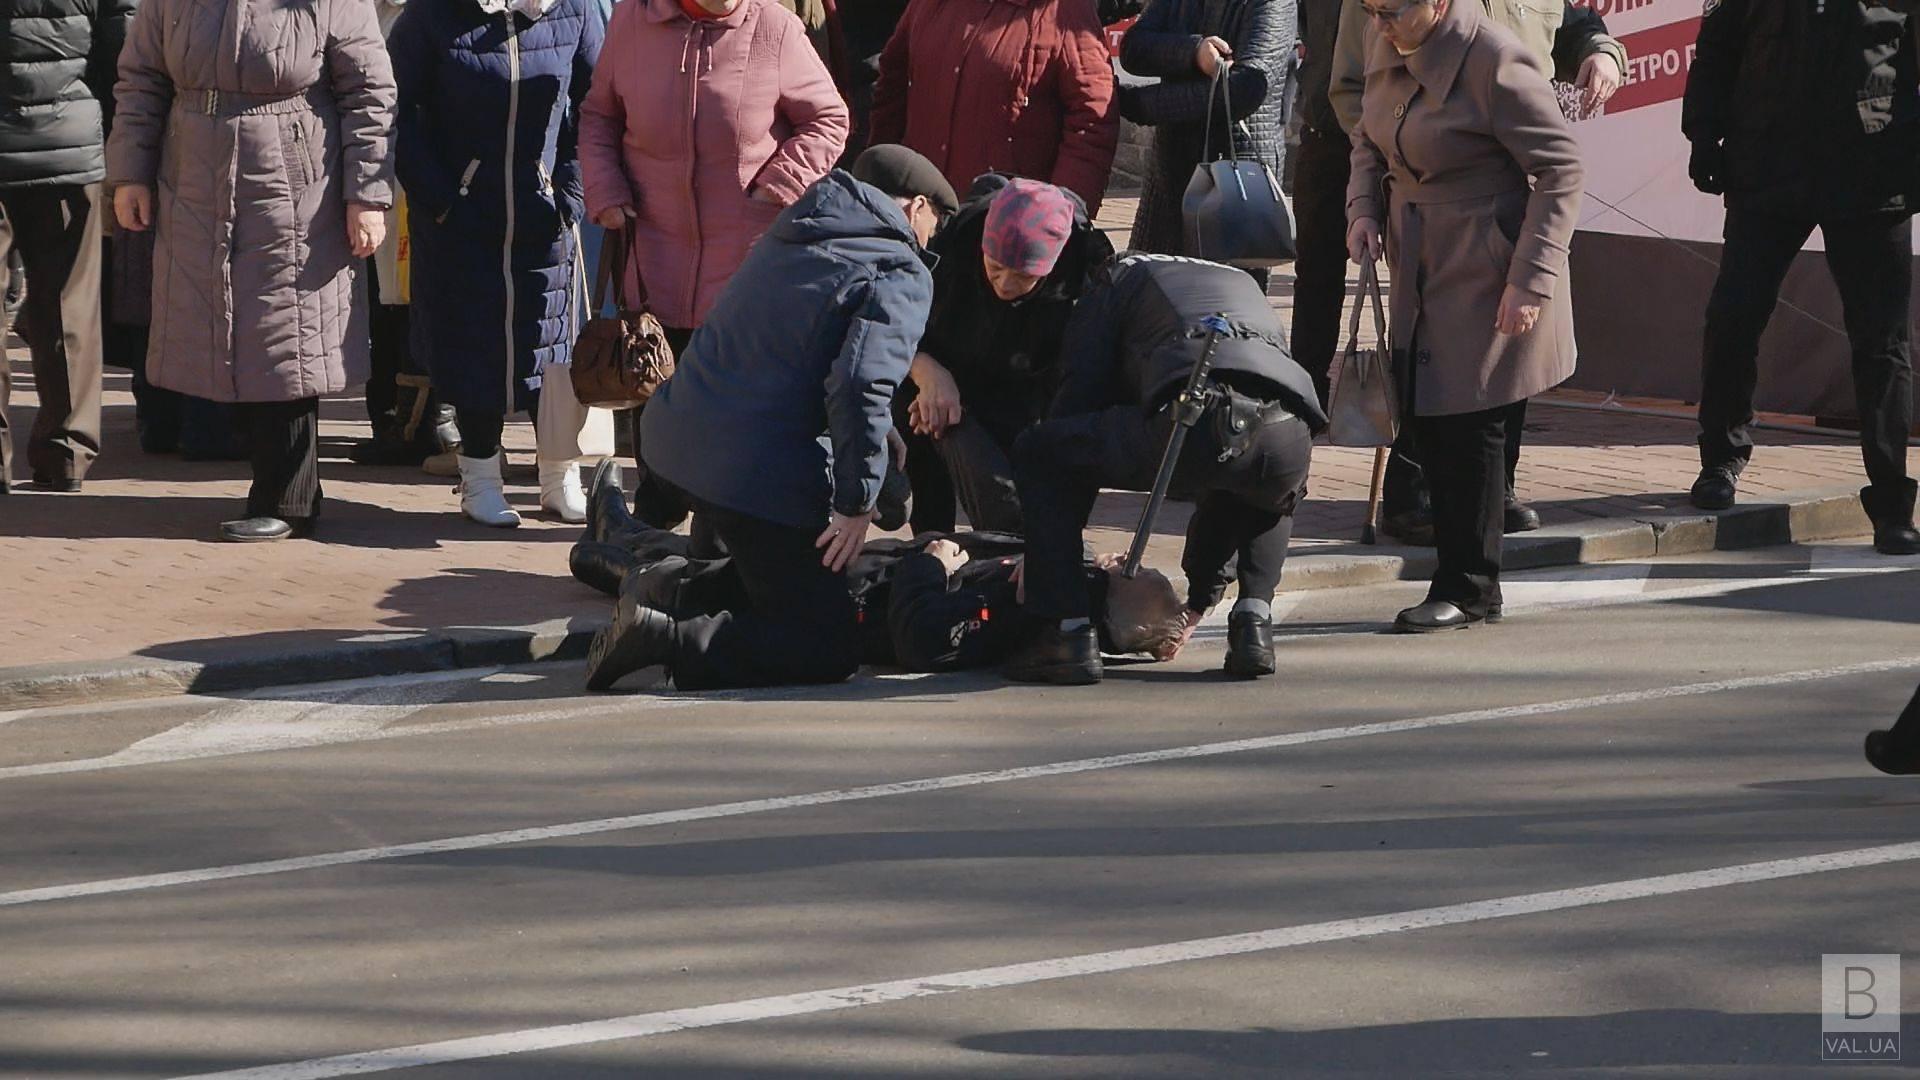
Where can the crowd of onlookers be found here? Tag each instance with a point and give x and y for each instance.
(412, 196)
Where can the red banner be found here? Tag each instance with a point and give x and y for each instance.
(1657, 65)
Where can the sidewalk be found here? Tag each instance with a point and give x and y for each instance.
(399, 581)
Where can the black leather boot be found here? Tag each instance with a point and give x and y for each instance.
(638, 638)
(657, 586)
(1714, 489)
(1061, 657)
(1249, 645)
(265, 530)
(404, 436)
(1519, 516)
(600, 566)
(607, 514)
(1891, 510)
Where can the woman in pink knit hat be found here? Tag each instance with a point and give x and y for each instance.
(1013, 261)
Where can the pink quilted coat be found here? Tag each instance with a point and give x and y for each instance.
(685, 120)
(255, 122)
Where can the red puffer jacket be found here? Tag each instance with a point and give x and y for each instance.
(1015, 86)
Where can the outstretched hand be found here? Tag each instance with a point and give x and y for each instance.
(845, 536)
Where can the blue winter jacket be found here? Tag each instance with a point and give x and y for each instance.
(812, 335)
(493, 204)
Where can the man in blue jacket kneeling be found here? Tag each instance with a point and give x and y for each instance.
(812, 336)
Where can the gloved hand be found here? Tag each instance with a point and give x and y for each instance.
(1707, 167)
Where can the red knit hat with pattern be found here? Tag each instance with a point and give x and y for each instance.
(1027, 227)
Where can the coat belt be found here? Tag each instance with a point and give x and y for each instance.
(223, 103)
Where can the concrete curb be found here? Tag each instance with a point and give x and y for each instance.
(1816, 515)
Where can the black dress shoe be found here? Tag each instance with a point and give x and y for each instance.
(1061, 657)
(1519, 516)
(1249, 645)
(65, 484)
(1891, 510)
(1714, 490)
(255, 530)
(1411, 527)
(1436, 615)
(607, 514)
(638, 638)
(657, 586)
(1880, 755)
(600, 566)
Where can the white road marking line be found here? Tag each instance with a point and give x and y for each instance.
(145, 882)
(644, 1025)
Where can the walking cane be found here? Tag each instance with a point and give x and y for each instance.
(1368, 534)
(1187, 410)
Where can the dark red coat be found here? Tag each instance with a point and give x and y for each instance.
(1015, 86)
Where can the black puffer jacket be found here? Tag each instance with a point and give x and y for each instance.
(1004, 356)
(1162, 44)
(1135, 337)
(57, 62)
(1817, 111)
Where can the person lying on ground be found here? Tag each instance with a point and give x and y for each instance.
(933, 603)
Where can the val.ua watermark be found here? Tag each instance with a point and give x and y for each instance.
(1860, 1007)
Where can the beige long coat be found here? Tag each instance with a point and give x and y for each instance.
(255, 122)
(1483, 185)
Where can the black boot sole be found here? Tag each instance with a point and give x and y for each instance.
(1258, 669)
(619, 650)
(1059, 675)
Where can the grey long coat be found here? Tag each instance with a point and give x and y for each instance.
(1455, 132)
(256, 295)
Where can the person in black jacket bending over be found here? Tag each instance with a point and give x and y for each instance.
(1130, 349)
(775, 427)
(1805, 115)
(1012, 262)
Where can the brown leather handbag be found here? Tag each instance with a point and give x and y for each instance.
(619, 362)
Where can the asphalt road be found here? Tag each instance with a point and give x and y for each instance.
(1612, 837)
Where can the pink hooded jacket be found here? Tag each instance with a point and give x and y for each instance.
(685, 120)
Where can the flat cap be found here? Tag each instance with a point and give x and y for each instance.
(902, 173)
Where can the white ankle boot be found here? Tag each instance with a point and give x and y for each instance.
(482, 494)
(560, 492)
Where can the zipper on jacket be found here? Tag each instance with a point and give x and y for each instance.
(466, 185)
(693, 198)
(506, 245)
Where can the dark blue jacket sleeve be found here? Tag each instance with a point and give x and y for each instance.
(1155, 47)
(889, 315)
(568, 187)
(1263, 55)
(415, 57)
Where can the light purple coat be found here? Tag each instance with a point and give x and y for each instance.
(255, 123)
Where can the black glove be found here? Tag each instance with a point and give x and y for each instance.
(1708, 167)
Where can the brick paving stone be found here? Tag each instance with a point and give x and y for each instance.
(130, 566)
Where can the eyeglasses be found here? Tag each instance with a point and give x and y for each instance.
(1387, 15)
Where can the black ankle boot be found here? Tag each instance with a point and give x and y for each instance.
(1061, 657)
(1406, 505)
(607, 514)
(657, 586)
(1519, 516)
(1249, 645)
(638, 638)
(1881, 755)
(1891, 509)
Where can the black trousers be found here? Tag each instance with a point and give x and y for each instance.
(797, 625)
(1871, 259)
(1320, 179)
(1905, 735)
(283, 443)
(1243, 514)
(56, 231)
(1464, 457)
(970, 466)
